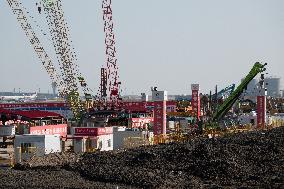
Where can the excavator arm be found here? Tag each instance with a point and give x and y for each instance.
(227, 105)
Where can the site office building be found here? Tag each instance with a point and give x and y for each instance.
(27, 146)
(92, 138)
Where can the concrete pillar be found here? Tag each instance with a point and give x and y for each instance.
(261, 108)
(160, 106)
(195, 101)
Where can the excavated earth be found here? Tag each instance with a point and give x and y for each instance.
(243, 160)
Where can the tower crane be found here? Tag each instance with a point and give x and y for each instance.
(18, 10)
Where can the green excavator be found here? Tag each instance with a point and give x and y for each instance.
(229, 102)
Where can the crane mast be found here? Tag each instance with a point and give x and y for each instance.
(18, 10)
(62, 47)
(66, 56)
(70, 78)
(109, 83)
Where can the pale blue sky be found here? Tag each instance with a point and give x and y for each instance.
(164, 43)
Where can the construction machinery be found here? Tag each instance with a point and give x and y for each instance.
(66, 57)
(69, 80)
(228, 103)
(21, 14)
(65, 82)
(226, 92)
(109, 87)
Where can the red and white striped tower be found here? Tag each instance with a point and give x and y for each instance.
(160, 106)
(261, 108)
(195, 101)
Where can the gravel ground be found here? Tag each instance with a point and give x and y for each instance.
(243, 160)
(35, 179)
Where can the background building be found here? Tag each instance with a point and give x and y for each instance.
(273, 86)
(272, 83)
(252, 88)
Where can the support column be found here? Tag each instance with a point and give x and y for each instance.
(160, 107)
(261, 109)
(195, 101)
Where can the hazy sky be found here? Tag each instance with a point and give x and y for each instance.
(164, 43)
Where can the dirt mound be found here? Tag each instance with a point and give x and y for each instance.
(50, 161)
(244, 160)
(254, 159)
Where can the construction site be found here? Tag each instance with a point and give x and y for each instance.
(78, 137)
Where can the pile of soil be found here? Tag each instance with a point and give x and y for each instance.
(243, 160)
(50, 161)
